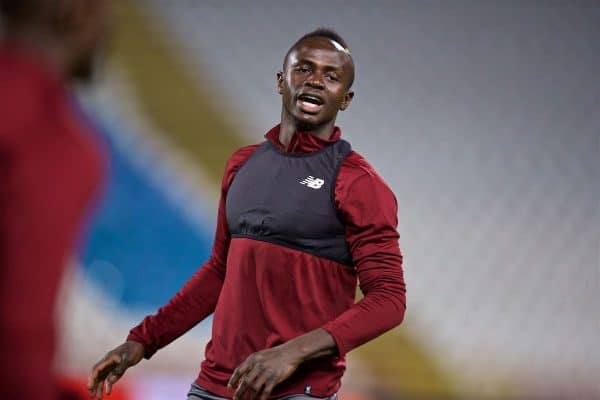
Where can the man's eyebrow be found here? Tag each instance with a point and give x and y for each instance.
(328, 67)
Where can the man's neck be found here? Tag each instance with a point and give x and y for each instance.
(289, 126)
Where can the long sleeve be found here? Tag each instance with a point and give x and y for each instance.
(369, 210)
(197, 299)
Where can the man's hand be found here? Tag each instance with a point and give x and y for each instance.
(108, 370)
(261, 371)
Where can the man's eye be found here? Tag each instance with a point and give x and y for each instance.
(302, 69)
(332, 78)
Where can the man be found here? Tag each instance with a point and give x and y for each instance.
(301, 217)
(50, 169)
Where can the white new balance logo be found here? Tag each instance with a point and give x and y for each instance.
(312, 182)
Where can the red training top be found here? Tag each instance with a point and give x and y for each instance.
(49, 170)
(255, 310)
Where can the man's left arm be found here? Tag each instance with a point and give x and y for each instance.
(369, 211)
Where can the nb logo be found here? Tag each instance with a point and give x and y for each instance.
(312, 182)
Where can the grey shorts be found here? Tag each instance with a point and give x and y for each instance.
(199, 393)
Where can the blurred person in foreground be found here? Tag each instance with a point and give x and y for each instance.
(50, 169)
(301, 217)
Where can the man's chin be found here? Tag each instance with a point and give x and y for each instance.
(307, 125)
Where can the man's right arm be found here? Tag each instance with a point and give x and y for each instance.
(195, 301)
(191, 304)
(198, 297)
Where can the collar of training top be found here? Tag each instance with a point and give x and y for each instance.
(302, 142)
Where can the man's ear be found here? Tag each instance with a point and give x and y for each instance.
(280, 79)
(347, 99)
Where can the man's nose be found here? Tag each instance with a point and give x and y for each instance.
(315, 81)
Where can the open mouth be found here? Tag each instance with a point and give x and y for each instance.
(310, 103)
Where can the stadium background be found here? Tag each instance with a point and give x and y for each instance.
(482, 116)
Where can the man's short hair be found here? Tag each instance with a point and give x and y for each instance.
(324, 33)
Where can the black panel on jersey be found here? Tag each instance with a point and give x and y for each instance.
(288, 199)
